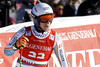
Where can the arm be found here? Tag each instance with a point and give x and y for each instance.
(10, 49)
(60, 53)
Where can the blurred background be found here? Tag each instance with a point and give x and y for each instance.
(18, 11)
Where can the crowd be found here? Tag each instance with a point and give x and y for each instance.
(20, 9)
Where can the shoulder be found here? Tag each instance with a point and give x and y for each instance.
(22, 30)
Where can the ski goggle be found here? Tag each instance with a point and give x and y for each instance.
(46, 18)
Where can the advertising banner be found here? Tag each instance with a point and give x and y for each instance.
(81, 37)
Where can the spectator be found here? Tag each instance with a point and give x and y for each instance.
(71, 8)
(58, 10)
(18, 4)
(23, 10)
(89, 7)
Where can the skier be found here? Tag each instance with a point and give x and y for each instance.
(37, 42)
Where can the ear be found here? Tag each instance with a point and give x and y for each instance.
(36, 22)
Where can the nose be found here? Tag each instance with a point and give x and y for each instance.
(48, 22)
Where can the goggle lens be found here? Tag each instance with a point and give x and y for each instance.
(46, 18)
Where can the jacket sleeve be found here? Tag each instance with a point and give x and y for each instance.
(60, 53)
(9, 49)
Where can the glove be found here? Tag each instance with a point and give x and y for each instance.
(21, 42)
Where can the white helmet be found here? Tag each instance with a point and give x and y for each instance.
(40, 9)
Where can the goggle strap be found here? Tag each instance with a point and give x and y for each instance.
(34, 16)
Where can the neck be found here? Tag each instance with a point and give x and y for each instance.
(39, 29)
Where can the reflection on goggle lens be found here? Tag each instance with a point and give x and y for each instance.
(46, 18)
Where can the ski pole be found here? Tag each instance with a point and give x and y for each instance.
(21, 49)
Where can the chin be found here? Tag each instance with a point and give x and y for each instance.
(46, 30)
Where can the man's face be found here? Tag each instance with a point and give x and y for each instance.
(45, 21)
(45, 26)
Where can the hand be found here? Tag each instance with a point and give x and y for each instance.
(21, 42)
